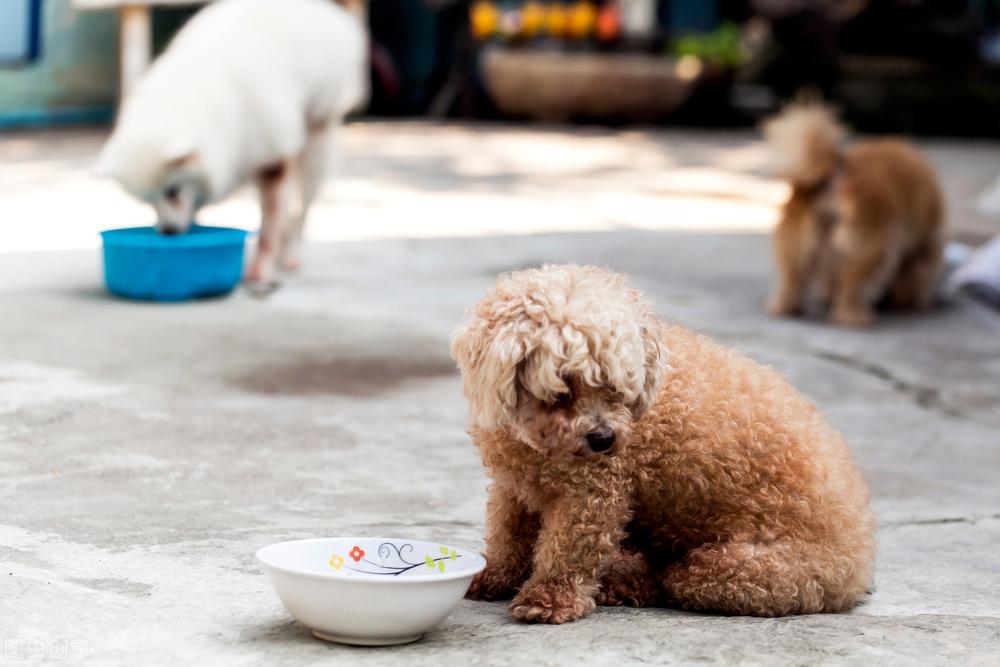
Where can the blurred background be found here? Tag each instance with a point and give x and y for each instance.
(916, 66)
(537, 115)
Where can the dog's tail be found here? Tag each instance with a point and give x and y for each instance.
(804, 141)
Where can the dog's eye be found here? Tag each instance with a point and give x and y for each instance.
(564, 398)
(172, 194)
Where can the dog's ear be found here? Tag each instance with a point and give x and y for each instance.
(654, 366)
(488, 356)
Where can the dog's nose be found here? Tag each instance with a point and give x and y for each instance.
(601, 441)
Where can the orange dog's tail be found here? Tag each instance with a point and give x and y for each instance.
(804, 141)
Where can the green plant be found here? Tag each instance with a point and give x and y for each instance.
(722, 47)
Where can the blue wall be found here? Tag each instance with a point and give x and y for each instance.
(18, 30)
(75, 77)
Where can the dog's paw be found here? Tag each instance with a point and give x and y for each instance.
(621, 595)
(854, 318)
(629, 581)
(492, 585)
(554, 603)
(262, 289)
(260, 277)
(778, 307)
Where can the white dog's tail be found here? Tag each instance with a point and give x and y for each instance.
(804, 141)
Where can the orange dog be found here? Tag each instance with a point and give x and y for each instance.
(863, 224)
(635, 462)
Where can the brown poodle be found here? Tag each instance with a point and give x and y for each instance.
(635, 462)
(863, 224)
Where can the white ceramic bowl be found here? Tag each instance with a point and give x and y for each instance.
(369, 590)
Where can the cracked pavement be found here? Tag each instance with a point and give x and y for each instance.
(146, 451)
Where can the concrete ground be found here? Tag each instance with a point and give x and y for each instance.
(146, 451)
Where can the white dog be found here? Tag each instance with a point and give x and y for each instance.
(249, 90)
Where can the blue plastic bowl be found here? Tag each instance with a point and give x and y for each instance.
(140, 263)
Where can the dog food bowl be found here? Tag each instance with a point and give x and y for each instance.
(366, 590)
(140, 263)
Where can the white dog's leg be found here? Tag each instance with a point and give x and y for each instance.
(312, 166)
(273, 184)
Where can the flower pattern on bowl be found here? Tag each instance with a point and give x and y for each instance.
(336, 562)
(393, 560)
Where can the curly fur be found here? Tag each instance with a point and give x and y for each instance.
(725, 490)
(863, 224)
(536, 334)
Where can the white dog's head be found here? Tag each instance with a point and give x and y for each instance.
(160, 167)
(565, 358)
